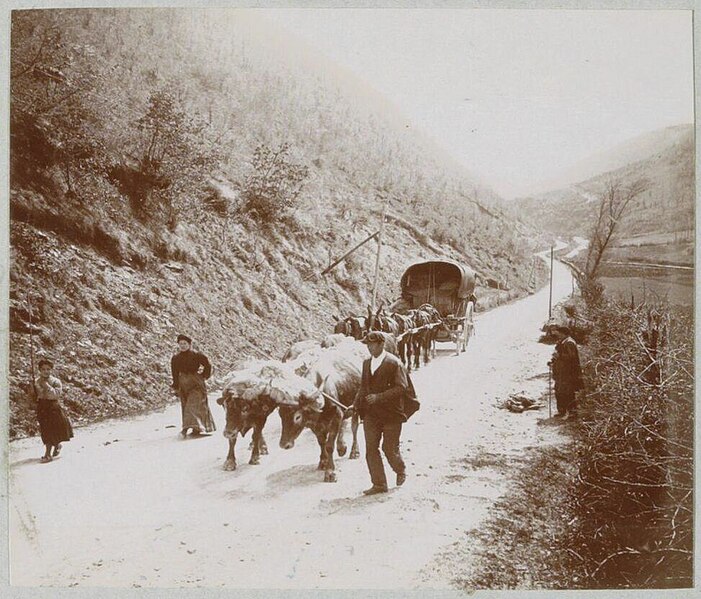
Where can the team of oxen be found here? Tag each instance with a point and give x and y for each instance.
(414, 330)
(315, 384)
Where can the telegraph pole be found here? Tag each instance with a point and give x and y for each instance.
(550, 302)
(373, 301)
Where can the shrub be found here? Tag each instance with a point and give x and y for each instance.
(272, 191)
(635, 483)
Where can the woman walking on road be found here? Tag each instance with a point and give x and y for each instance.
(190, 369)
(54, 425)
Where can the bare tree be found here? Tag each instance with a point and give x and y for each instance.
(613, 203)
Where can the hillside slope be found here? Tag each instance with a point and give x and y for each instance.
(167, 178)
(632, 150)
(666, 207)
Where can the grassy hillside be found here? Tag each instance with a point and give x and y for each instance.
(666, 207)
(171, 174)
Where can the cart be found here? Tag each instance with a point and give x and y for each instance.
(447, 286)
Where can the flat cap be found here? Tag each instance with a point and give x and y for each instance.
(374, 337)
(184, 338)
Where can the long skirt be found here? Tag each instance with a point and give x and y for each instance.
(53, 423)
(193, 400)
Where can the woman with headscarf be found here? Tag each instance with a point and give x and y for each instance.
(190, 369)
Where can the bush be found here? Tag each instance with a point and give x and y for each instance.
(635, 485)
(272, 191)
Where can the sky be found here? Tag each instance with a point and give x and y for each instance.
(515, 95)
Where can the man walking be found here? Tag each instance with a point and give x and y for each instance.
(567, 371)
(380, 404)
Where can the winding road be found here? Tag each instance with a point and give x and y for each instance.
(130, 504)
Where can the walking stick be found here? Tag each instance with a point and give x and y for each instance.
(31, 347)
(550, 409)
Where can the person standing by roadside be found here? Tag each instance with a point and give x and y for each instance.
(190, 369)
(380, 404)
(54, 425)
(567, 372)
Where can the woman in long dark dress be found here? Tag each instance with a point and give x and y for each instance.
(54, 425)
(190, 370)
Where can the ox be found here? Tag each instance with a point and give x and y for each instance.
(250, 395)
(435, 318)
(353, 326)
(404, 345)
(336, 375)
(243, 414)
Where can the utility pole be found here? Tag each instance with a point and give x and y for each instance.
(373, 301)
(550, 302)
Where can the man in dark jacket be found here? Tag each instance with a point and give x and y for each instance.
(567, 371)
(380, 404)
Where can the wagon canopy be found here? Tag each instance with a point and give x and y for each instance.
(442, 283)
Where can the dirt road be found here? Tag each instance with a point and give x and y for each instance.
(130, 504)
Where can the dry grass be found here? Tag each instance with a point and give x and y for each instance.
(635, 486)
(523, 543)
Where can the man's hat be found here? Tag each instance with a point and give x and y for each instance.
(374, 337)
(184, 338)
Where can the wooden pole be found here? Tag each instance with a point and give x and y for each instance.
(373, 301)
(550, 302)
(31, 347)
(550, 402)
(330, 267)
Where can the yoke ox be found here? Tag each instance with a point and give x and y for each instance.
(242, 414)
(353, 326)
(337, 376)
(435, 318)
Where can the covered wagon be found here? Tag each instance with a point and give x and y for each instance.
(447, 286)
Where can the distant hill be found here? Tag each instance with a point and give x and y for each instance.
(632, 150)
(664, 158)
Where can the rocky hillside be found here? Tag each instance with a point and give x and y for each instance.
(168, 177)
(666, 207)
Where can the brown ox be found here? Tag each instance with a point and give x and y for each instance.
(435, 318)
(338, 376)
(241, 416)
(250, 395)
(353, 326)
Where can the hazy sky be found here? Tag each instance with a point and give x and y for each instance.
(516, 95)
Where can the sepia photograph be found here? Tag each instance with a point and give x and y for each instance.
(392, 300)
